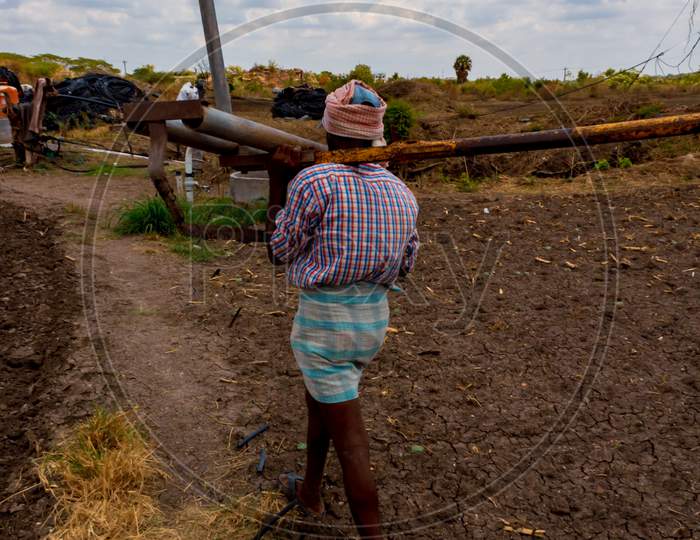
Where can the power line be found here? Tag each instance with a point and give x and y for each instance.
(580, 88)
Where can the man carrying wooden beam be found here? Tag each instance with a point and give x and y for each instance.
(346, 233)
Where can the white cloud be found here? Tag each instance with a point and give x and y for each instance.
(545, 35)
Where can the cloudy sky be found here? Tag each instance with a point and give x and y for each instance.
(543, 35)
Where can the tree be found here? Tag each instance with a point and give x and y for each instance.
(463, 65)
(362, 72)
(582, 76)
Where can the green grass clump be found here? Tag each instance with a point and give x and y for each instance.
(146, 217)
(195, 250)
(602, 165)
(151, 216)
(624, 163)
(218, 212)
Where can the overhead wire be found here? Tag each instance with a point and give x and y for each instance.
(577, 89)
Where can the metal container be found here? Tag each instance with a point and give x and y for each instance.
(5, 131)
(247, 188)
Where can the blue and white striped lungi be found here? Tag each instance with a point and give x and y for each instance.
(337, 332)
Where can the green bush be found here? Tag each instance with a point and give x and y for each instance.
(149, 75)
(398, 120)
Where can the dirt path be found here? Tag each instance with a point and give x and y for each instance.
(498, 401)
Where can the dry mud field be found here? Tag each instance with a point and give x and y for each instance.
(542, 372)
(543, 369)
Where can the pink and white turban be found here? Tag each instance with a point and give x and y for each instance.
(354, 120)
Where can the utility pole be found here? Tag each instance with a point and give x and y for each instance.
(124, 62)
(216, 56)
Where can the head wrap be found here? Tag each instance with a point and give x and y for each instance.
(355, 110)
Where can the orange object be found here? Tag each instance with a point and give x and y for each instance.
(7, 93)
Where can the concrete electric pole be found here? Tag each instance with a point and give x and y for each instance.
(216, 55)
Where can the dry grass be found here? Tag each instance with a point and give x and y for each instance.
(106, 480)
(238, 521)
(103, 478)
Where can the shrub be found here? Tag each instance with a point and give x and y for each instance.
(583, 77)
(651, 110)
(466, 112)
(398, 120)
(467, 184)
(624, 163)
(149, 75)
(602, 165)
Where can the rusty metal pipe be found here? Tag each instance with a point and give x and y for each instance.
(246, 132)
(179, 133)
(637, 130)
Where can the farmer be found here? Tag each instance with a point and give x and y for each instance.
(346, 233)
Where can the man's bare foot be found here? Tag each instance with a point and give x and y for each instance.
(311, 504)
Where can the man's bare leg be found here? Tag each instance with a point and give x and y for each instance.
(317, 443)
(343, 421)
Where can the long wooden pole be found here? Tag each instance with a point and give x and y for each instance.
(637, 130)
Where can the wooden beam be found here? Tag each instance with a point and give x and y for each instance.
(156, 169)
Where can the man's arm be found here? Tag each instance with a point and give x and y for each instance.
(289, 227)
(283, 167)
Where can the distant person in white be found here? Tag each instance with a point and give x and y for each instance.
(188, 92)
(193, 157)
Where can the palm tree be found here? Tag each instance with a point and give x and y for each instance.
(463, 65)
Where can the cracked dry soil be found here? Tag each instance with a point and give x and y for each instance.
(532, 379)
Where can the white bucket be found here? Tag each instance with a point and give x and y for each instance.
(5, 131)
(249, 187)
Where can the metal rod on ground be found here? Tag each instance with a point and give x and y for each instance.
(216, 55)
(248, 438)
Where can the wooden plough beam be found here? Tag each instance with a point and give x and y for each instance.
(209, 129)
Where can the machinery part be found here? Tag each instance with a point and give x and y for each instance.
(246, 132)
(9, 96)
(222, 96)
(156, 170)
